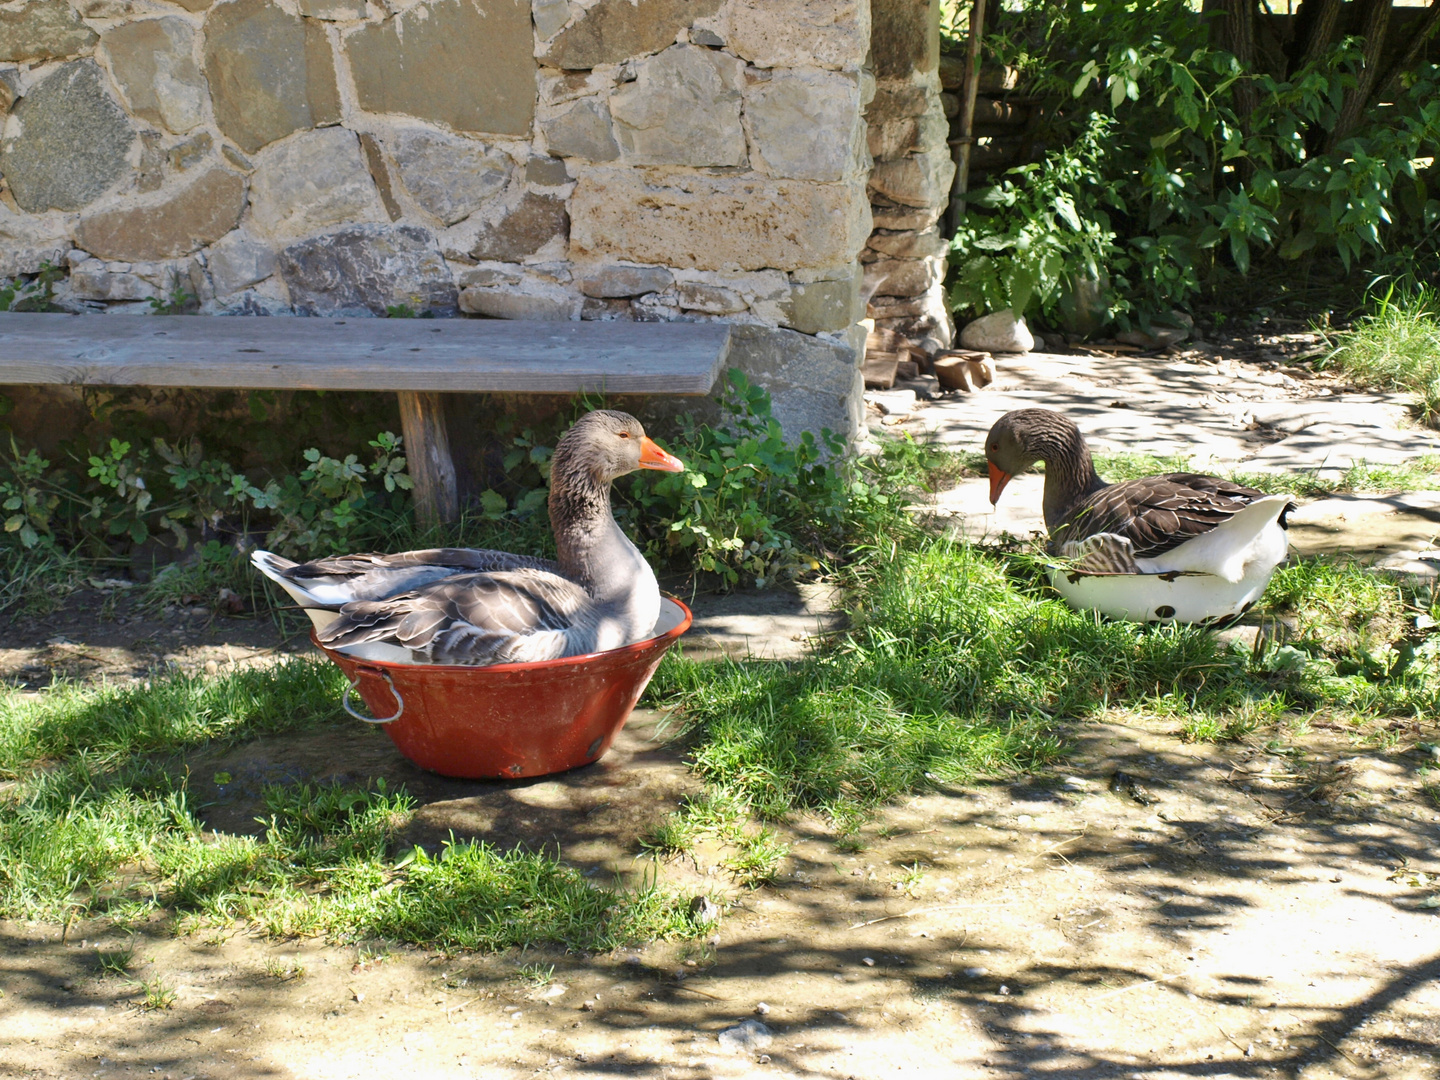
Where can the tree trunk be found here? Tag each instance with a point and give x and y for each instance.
(1357, 98)
(1232, 28)
(1315, 25)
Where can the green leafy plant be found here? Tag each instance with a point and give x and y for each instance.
(33, 292)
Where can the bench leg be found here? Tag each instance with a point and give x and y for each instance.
(427, 453)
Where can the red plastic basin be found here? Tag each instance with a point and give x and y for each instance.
(511, 720)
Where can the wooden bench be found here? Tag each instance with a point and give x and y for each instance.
(418, 358)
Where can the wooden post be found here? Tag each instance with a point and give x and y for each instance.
(970, 88)
(427, 453)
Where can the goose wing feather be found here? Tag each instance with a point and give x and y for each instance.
(472, 618)
(1155, 513)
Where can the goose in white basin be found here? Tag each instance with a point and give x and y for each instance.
(1180, 546)
(460, 606)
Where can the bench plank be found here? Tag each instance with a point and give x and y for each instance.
(461, 355)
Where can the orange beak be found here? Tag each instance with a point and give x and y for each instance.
(652, 457)
(998, 479)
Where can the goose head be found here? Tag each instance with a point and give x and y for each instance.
(604, 445)
(1022, 437)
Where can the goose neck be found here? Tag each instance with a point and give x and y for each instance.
(1069, 473)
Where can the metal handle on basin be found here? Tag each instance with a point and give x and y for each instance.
(355, 683)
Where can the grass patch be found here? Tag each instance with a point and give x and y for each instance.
(100, 821)
(1421, 474)
(959, 665)
(1396, 347)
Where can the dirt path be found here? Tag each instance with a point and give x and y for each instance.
(1265, 916)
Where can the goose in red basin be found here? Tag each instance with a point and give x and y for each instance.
(460, 606)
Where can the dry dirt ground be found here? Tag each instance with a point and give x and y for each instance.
(1216, 912)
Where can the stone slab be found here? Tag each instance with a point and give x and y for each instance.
(682, 109)
(717, 222)
(412, 64)
(185, 219)
(153, 64)
(805, 125)
(69, 141)
(311, 182)
(449, 177)
(270, 73)
(614, 30)
(524, 230)
(368, 269)
(43, 30)
(800, 33)
(815, 383)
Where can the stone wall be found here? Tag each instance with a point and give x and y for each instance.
(904, 258)
(535, 159)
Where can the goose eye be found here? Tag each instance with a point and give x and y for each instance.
(624, 434)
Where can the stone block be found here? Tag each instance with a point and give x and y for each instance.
(194, 5)
(805, 124)
(448, 176)
(614, 30)
(508, 304)
(43, 30)
(270, 73)
(814, 383)
(237, 262)
(595, 309)
(467, 64)
(191, 152)
(710, 299)
(546, 171)
(608, 282)
(94, 282)
(334, 10)
(556, 88)
(717, 222)
(905, 38)
(68, 141)
(311, 182)
(917, 180)
(486, 276)
(380, 173)
(903, 277)
(682, 109)
(524, 230)
(801, 33)
(583, 131)
(906, 217)
(368, 268)
(908, 245)
(549, 16)
(9, 88)
(153, 64)
(818, 306)
(27, 244)
(176, 222)
(897, 101)
(891, 139)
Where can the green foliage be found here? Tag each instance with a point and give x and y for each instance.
(121, 491)
(752, 506)
(1189, 183)
(32, 292)
(1047, 227)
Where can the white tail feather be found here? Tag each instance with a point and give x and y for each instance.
(1251, 538)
